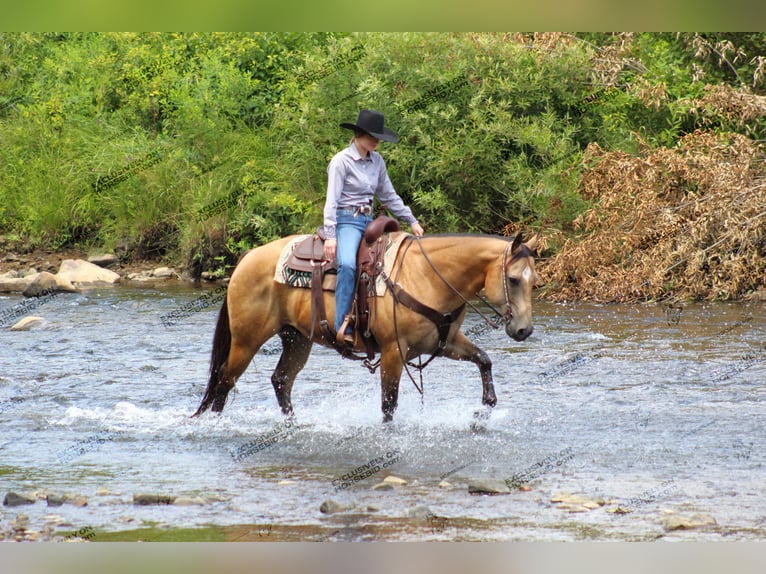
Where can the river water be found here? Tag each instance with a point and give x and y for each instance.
(633, 408)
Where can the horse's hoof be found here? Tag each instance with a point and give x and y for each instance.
(483, 414)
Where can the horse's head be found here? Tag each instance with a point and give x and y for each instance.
(513, 286)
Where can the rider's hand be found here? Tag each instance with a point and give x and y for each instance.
(417, 229)
(330, 245)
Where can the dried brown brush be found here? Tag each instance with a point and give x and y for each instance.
(681, 223)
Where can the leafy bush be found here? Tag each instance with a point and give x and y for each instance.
(124, 139)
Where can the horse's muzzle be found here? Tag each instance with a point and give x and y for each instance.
(518, 334)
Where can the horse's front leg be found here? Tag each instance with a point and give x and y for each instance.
(390, 373)
(295, 352)
(461, 349)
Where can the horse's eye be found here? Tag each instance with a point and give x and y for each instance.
(514, 281)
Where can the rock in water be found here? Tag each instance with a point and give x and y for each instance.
(46, 283)
(15, 499)
(395, 480)
(491, 487)
(82, 273)
(331, 506)
(147, 499)
(671, 523)
(28, 323)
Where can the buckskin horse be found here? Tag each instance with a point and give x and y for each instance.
(441, 272)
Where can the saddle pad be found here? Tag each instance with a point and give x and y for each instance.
(282, 274)
(286, 276)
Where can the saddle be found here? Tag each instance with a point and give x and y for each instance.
(308, 258)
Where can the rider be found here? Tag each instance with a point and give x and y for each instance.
(354, 177)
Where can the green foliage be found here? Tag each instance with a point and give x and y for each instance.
(216, 142)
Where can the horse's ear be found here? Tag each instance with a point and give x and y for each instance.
(532, 243)
(517, 241)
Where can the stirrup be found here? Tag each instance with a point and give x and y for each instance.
(343, 338)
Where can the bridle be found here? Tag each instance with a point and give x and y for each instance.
(443, 325)
(504, 317)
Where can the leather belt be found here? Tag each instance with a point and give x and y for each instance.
(358, 209)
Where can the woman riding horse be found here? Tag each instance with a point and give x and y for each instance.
(355, 176)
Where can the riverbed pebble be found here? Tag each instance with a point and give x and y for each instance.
(670, 523)
(163, 272)
(395, 480)
(576, 502)
(331, 506)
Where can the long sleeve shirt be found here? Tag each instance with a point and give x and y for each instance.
(353, 181)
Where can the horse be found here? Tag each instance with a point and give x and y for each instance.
(443, 272)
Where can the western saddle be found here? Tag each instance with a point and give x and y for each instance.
(308, 258)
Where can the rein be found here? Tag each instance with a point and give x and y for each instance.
(506, 317)
(443, 321)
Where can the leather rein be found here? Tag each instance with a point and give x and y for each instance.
(442, 321)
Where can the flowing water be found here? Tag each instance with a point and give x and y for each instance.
(639, 408)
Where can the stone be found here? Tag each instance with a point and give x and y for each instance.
(28, 323)
(103, 492)
(383, 486)
(395, 480)
(54, 500)
(148, 499)
(15, 499)
(104, 259)
(20, 524)
(490, 487)
(163, 272)
(286, 482)
(189, 501)
(143, 276)
(445, 484)
(43, 284)
(421, 512)
(82, 273)
(331, 506)
(14, 284)
(670, 523)
(576, 502)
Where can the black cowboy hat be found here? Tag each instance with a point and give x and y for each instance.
(371, 123)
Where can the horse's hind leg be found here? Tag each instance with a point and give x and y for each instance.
(238, 360)
(295, 352)
(461, 349)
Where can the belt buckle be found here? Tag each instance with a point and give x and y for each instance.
(363, 209)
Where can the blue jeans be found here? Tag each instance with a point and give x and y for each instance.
(349, 233)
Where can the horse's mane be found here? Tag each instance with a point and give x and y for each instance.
(523, 251)
(464, 234)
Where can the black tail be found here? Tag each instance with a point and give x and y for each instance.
(218, 357)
